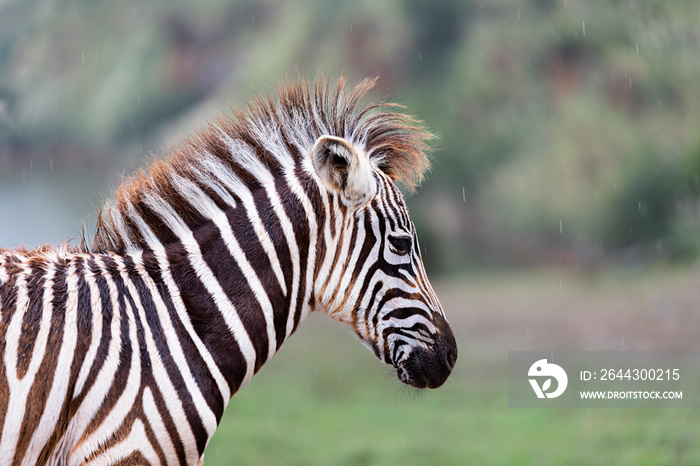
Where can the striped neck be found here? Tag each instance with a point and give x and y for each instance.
(242, 269)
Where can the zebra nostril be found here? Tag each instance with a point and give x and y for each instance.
(447, 345)
(451, 358)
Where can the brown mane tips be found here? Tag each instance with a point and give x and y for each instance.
(299, 112)
(399, 145)
(105, 238)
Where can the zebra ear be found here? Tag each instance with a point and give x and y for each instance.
(344, 169)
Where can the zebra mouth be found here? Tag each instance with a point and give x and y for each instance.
(425, 369)
(429, 367)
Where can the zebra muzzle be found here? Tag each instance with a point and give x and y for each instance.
(430, 367)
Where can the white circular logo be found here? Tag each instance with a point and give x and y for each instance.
(542, 370)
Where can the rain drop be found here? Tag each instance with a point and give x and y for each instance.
(464, 194)
(584, 27)
(518, 13)
(82, 57)
(637, 47)
(561, 228)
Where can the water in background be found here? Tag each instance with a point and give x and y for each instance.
(41, 208)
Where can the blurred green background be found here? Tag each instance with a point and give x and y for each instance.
(562, 211)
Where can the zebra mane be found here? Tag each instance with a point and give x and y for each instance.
(273, 131)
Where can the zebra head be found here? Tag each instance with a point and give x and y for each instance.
(372, 278)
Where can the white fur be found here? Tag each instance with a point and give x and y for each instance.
(95, 396)
(19, 388)
(158, 427)
(3, 274)
(95, 332)
(59, 387)
(126, 400)
(136, 441)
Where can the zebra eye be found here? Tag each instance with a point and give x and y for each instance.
(400, 245)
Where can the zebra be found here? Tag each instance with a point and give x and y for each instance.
(127, 348)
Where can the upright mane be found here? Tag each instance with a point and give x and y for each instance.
(301, 112)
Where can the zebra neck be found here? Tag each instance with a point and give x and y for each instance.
(242, 281)
(237, 247)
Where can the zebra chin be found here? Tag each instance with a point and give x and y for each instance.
(429, 367)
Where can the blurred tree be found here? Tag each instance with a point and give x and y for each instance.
(437, 28)
(644, 206)
(547, 112)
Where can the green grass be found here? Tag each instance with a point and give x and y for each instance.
(324, 399)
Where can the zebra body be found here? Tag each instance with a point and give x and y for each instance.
(128, 352)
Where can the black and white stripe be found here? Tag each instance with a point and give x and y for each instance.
(128, 353)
